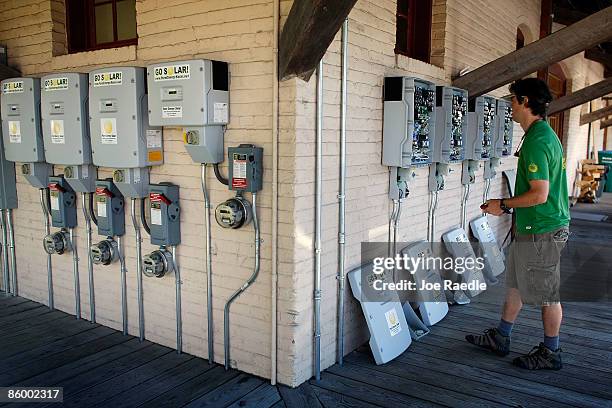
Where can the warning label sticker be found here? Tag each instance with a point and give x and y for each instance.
(221, 113)
(169, 112)
(55, 84)
(108, 130)
(14, 128)
(12, 87)
(239, 173)
(393, 322)
(108, 78)
(154, 139)
(156, 216)
(57, 132)
(171, 72)
(55, 201)
(101, 211)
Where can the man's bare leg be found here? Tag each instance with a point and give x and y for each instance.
(512, 305)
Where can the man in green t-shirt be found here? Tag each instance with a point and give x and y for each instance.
(541, 206)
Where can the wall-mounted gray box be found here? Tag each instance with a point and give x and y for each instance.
(482, 124)
(8, 183)
(109, 209)
(165, 214)
(408, 122)
(65, 121)
(119, 126)
(504, 129)
(21, 128)
(245, 168)
(451, 124)
(62, 203)
(192, 94)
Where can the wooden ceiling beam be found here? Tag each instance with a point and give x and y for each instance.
(598, 114)
(597, 55)
(581, 96)
(553, 48)
(309, 30)
(605, 124)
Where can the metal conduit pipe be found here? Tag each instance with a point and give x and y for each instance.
(342, 195)
(209, 283)
(90, 275)
(75, 271)
(124, 307)
(141, 324)
(429, 216)
(466, 194)
(44, 200)
(485, 193)
(274, 277)
(317, 246)
(5, 257)
(11, 240)
(398, 214)
(179, 314)
(390, 233)
(245, 286)
(432, 216)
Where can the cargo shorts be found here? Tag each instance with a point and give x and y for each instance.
(534, 266)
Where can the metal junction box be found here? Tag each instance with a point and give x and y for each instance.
(481, 128)
(109, 209)
(457, 243)
(504, 129)
(165, 214)
(451, 124)
(21, 120)
(245, 168)
(65, 121)
(8, 183)
(119, 126)
(408, 122)
(493, 257)
(194, 95)
(63, 203)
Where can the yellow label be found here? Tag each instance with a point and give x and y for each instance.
(533, 168)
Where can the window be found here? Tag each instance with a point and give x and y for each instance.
(520, 39)
(413, 30)
(96, 24)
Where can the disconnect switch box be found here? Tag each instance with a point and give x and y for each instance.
(245, 168)
(165, 214)
(109, 209)
(63, 203)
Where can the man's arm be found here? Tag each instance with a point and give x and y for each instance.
(537, 194)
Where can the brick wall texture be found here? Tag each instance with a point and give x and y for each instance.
(465, 34)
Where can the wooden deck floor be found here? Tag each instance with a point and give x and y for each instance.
(98, 366)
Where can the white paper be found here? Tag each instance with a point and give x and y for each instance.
(154, 139)
(172, 112)
(393, 322)
(108, 130)
(156, 216)
(101, 209)
(14, 128)
(55, 202)
(220, 113)
(57, 132)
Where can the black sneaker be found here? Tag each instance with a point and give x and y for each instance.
(491, 340)
(540, 358)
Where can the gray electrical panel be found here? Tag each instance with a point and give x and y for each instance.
(8, 183)
(408, 122)
(451, 124)
(389, 331)
(433, 307)
(165, 214)
(109, 209)
(119, 125)
(194, 95)
(493, 258)
(458, 244)
(504, 129)
(245, 168)
(62, 203)
(21, 129)
(481, 128)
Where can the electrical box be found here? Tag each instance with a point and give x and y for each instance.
(408, 122)
(505, 129)
(194, 95)
(119, 125)
(21, 129)
(165, 214)
(451, 124)
(63, 203)
(389, 331)
(457, 243)
(433, 306)
(493, 258)
(481, 128)
(8, 183)
(490, 168)
(245, 168)
(109, 209)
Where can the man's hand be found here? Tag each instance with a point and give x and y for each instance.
(492, 207)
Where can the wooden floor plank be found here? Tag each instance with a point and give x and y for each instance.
(264, 396)
(331, 399)
(192, 389)
(17, 309)
(42, 318)
(302, 396)
(227, 393)
(9, 300)
(23, 316)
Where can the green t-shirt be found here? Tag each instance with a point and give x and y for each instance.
(541, 158)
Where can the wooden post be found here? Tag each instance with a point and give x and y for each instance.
(557, 46)
(581, 96)
(593, 116)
